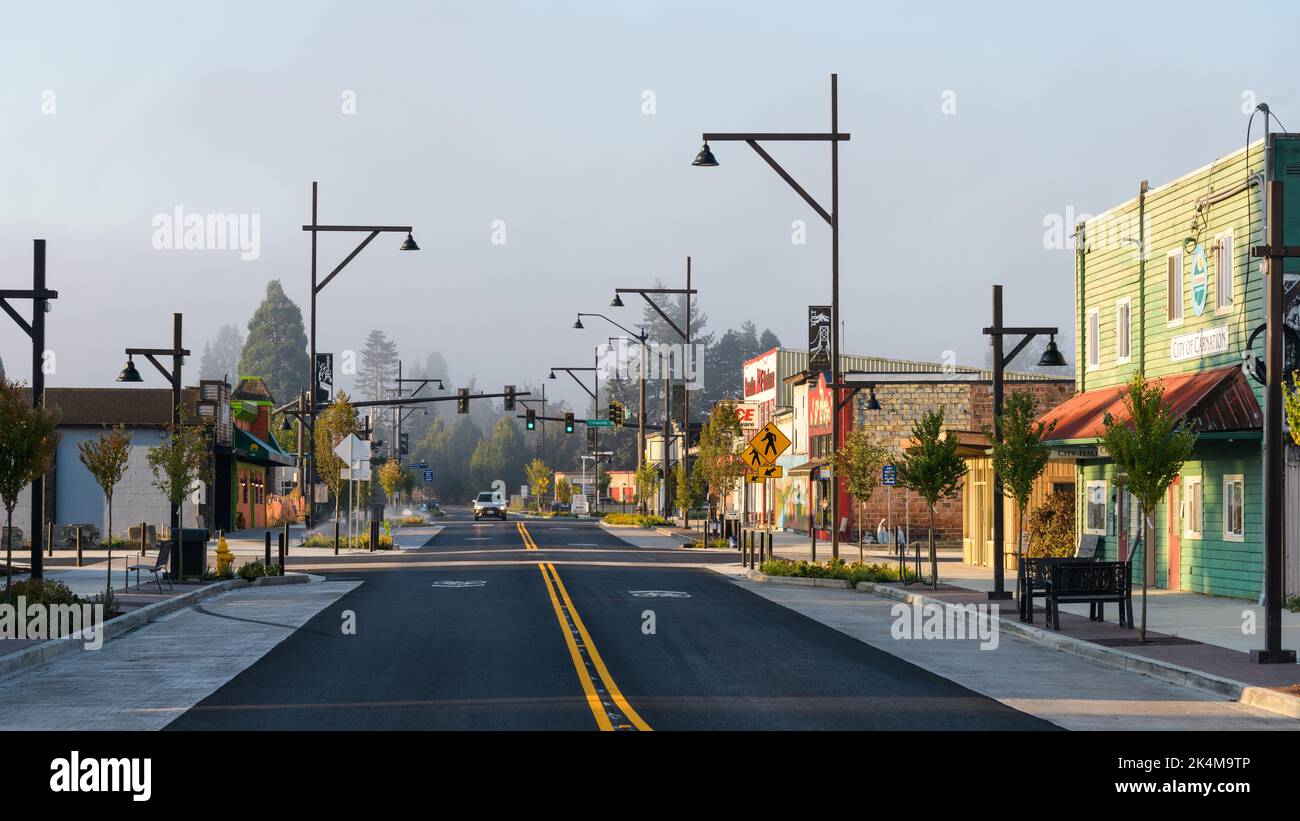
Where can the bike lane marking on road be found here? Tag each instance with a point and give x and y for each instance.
(592, 672)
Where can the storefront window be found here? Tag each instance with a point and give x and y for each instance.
(1095, 523)
(1193, 507)
(1234, 508)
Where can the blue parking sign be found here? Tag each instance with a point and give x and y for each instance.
(428, 476)
(888, 475)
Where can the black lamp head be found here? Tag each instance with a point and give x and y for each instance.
(617, 301)
(284, 422)
(129, 373)
(872, 402)
(409, 243)
(1051, 357)
(705, 158)
(578, 324)
(552, 376)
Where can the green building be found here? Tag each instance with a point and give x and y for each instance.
(1165, 285)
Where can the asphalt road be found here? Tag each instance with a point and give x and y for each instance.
(563, 626)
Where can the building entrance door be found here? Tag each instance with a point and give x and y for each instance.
(1173, 558)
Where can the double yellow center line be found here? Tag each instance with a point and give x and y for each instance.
(529, 544)
(607, 704)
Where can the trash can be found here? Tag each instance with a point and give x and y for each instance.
(194, 550)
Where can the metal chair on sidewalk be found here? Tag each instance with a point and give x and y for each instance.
(159, 566)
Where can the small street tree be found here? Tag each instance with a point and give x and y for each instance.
(178, 463)
(931, 469)
(647, 484)
(106, 458)
(1021, 456)
(1291, 400)
(333, 425)
(689, 486)
(27, 442)
(390, 478)
(1151, 447)
(539, 479)
(719, 458)
(858, 463)
(563, 490)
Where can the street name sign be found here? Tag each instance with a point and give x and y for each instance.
(598, 423)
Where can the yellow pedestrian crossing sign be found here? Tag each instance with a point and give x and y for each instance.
(768, 443)
(762, 472)
(752, 458)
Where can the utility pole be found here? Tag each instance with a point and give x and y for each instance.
(1274, 463)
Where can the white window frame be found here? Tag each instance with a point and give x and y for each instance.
(1093, 339)
(1124, 331)
(1175, 321)
(1228, 534)
(1087, 504)
(1219, 307)
(1188, 483)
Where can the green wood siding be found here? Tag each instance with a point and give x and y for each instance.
(1112, 270)
(1210, 564)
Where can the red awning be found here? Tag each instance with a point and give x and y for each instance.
(1217, 400)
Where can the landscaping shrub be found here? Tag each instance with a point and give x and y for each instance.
(411, 521)
(42, 591)
(1051, 526)
(251, 570)
(834, 569)
(635, 519)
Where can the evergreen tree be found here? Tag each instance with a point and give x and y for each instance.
(276, 347)
(378, 367)
(221, 356)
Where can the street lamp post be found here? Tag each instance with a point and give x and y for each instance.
(35, 330)
(1051, 358)
(687, 372)
(832, 217)
(371, 231)
(595, 377)
(641, 340)
(173, 376)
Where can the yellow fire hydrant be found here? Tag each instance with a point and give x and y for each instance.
(224, 557)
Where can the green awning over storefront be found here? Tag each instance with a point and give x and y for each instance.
(250, 448)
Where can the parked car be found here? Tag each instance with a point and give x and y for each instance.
(486, 504)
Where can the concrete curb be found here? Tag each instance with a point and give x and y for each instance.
(46, 652)
(288, 578)
(1260, 697)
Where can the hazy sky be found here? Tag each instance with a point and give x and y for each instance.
(534, 115)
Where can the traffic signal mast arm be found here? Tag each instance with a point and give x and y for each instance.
(408, 400)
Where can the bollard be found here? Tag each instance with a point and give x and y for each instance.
(267, 561)
(143, 543)
(49, 539)
(78, 547)
(284, 541)
(744, 548)
(768, 553)
(336, 537)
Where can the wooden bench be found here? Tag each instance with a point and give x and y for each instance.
(1095, 583)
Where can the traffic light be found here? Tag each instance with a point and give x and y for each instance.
(462, 400)
(616, 412)
(568, 422)
(530, 419)
(508, 403)
(591, 439)
(405, 446)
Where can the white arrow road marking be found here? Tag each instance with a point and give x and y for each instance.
(478, 538)
(452, 583)
(660, 594)
(582, 544)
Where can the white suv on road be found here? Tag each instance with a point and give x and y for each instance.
(487, 504)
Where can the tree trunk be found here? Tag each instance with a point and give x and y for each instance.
(109, 590)
(8, 552)
(861, 555)
(1146, 555)
(934, 558)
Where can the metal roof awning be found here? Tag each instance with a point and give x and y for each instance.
(250, 448)
(1216, 401)
(806, 468)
